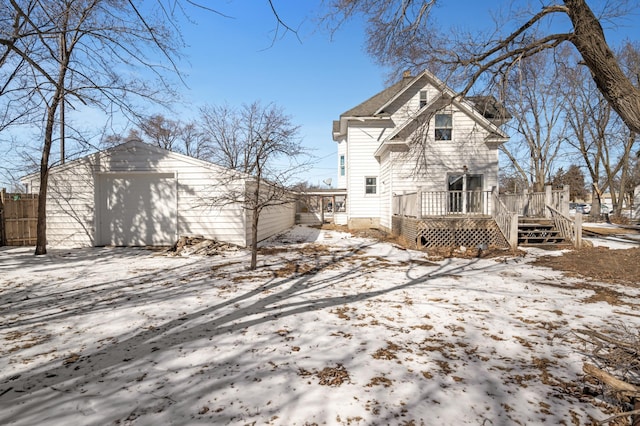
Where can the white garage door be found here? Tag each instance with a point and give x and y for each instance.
(137, 209)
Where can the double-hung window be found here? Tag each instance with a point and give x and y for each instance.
(342, 166)
(423, 98)
(443, 127)
(370, 185)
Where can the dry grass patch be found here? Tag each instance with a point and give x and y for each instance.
(387, 353)
(328, 376)
(379, 381)
(599, 263)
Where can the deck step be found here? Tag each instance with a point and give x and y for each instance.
(532, 232)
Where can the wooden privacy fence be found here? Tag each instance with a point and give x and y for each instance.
(18, 219)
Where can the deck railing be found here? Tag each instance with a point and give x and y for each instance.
(423, 204)
(569, 229)
(534, 204)
(506, 220)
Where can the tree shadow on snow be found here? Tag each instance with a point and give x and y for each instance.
(38, 391)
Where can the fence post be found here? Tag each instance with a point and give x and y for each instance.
(3, 236)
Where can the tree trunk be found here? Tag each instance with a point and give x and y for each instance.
(589, 39)
(41, 227)
(254, 238)
(255, 210)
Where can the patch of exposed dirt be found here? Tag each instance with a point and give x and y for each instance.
(598, 263)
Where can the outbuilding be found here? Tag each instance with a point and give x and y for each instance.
(136, 194)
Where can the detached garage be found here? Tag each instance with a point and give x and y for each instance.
(137, 194)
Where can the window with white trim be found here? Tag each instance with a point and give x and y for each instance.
(443, 127)
(423, 98)
(342, 166)
(370, 185)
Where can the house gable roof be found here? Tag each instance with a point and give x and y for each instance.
(375, 104)
(484, 109)
(137, 145)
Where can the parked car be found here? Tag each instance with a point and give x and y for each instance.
(579, 208)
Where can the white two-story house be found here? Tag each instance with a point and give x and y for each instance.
(418, 137)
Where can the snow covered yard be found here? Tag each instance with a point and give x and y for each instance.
(331, 329)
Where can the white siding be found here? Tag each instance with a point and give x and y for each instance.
(363, 141)
(427, 166)
(311, 218)
(273, 220)
(72, 219)
(70, 205)
(386, 189)
(443, 157)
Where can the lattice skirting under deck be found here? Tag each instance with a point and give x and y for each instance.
(449, 232)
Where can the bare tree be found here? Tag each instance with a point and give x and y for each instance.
(598, 135)
(172, 135)
(222, 126)
(405, 33)
(532, 97)
(195, 142)
(262, 143)
(162, 132)
(64, 52)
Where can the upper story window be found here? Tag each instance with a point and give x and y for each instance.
(342, 166)
(444, 127)
(370, 185)
(423, 98)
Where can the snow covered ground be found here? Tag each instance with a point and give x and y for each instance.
(331, 329)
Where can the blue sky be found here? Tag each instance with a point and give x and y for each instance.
(314, 76)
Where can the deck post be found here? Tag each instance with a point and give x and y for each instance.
(419, 203)
(577, 243)
(548, 200)
(513, 232)
(564, 208)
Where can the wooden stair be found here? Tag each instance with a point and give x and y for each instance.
(538, 232)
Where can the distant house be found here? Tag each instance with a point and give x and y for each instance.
(418, 138)
(137, 194)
